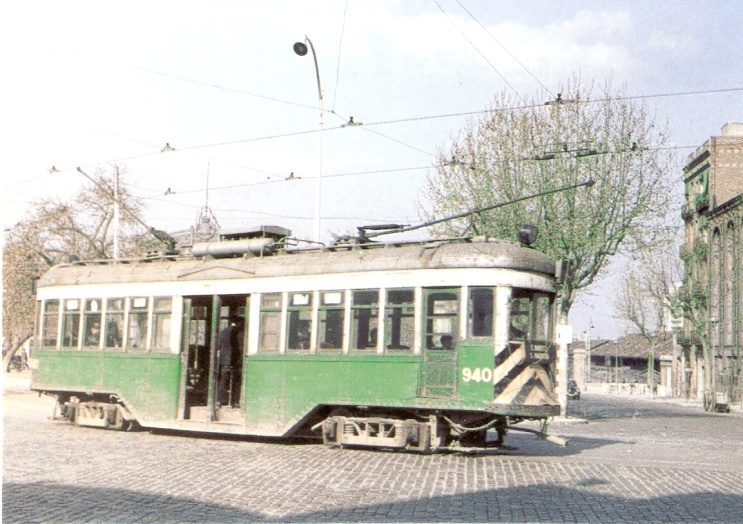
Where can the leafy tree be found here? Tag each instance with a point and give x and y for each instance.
(52, 232)
(586, 133)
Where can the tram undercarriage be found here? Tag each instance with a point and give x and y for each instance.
(426, 434)
(99, 413)
(429, 433)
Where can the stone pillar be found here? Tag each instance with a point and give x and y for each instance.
(579, 367)
(665, 387)
(564, 338)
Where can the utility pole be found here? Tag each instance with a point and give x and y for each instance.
(116, 214)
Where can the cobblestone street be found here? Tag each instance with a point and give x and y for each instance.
(635, 460)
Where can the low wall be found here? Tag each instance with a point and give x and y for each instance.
(623, 389)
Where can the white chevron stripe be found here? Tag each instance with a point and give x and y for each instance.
(514, 387)
(506, 366)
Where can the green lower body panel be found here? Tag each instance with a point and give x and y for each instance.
(281, 393)
(146, 383)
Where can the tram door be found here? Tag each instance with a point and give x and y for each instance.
(212, 356)
(440, 329)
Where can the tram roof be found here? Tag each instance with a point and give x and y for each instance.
(432, 255)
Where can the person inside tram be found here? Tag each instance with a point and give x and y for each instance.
(230, 350)
(372, 343)
(447, 342)
(113, 335)
(94, 336)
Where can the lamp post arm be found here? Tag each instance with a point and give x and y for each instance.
(317, 71)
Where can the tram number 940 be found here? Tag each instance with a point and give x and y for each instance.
(477, 375)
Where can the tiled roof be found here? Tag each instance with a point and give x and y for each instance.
(627, 346)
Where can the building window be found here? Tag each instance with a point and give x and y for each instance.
(399, 315)
(330, 322)
(364, 320)
(270, 322)
(299, 321)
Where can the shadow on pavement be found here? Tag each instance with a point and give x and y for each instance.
(542, 503)
(51, 502)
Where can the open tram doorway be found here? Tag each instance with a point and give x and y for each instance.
(213, 357)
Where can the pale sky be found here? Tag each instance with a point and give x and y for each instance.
(91, 84)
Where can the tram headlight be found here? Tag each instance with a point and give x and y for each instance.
(528, 234)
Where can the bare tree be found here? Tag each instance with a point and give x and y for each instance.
(694, 300)
(51, 233)
(646, 299)
(586, 133)
(650, 292)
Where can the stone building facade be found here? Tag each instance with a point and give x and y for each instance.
(712, 338)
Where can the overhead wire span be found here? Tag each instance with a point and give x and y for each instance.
(416, 168)
(338, 63)
(478, 51)
(504, 48)
(406, 120)
(207, 84)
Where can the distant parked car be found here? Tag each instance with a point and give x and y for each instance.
(573, 390)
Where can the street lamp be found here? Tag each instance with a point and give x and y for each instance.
(301, 49)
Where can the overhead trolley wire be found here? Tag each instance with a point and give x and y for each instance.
(416, 119)
(401, 169)
(338, 63)
(504, 48)
(478, 51)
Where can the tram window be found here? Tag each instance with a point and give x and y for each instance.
(531, 316)
(50, 324)
(71, 323)
(299, 321)
(137, 333)
(441, 318)
(531, 322)
(399, 315)
(270, 322)
(114, 327)
(92, 323)
(481, 312)
(198, 327)
(330, 318)
(161, 314)
(543, 318)
(364, 320)
(520, 313)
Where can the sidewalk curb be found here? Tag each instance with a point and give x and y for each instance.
(568, 420)
(16, 382)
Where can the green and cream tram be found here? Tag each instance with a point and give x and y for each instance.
(418, 345)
